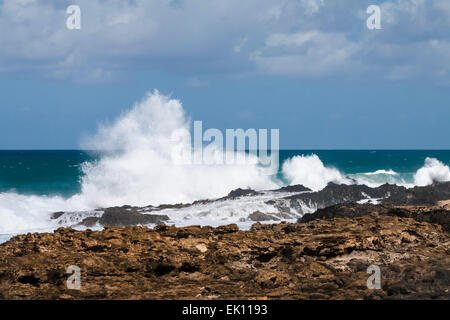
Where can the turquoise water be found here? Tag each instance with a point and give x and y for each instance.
(42, 172)
(59, 172)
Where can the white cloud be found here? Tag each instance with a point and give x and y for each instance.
(294, 37)
(307, 54)
(312, 6)
(237, 48)
(195, 82)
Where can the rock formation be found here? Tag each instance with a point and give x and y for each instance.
(324, 256)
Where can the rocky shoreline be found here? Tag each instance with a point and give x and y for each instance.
(285, 204)
(324, 255)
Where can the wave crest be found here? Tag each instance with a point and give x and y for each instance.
(433, 171)
(144, 167)
(311, 172)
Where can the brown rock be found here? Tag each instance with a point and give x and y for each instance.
(319, 259)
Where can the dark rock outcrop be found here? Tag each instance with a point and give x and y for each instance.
(293, 188)
(260, 216)
(417, 196)
(241, 193)
(353, 210)
(89, 222)
(285, 207)
(56, 215)
(126, 217)
(340, 193)
(334, 194)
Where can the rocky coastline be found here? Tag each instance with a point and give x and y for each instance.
(323, 255)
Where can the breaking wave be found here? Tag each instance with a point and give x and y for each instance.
(311, 172)
(433, 170)
(142, 164)
(387, 172)
(145, 164)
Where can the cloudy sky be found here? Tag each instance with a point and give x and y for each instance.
(311, 68)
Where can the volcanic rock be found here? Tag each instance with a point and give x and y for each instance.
(428, 195)
(241, 193)
(334, 194)
(89, 222)
(293, 188)
(260, 216)
(125, 217)
(56, 215)
(352, 210)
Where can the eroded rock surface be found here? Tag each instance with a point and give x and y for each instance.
(433, 214)
(319, 259)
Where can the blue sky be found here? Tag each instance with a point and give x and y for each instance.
(308, 67)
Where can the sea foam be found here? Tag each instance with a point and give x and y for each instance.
(433, 170)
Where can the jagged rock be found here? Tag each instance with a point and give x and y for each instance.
(89, 222)
(230, 228)
(293, 188)
(288, 207)
(56, 215)
(241, 193)
(352, 210)
(171, 206)
(428, 195)
(260, 216)
(125, 217)
(322, 258)
(334, 194)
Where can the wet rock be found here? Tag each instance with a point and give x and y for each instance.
(125, 217)
(428, 195)
(353, 210)
(242, 193)
(89, 222)
(334, 194)
(260, 216)
(56, 215)
(293, 188)
(288, 207)
(230, 228)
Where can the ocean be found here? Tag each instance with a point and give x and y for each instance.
(34, 184)
(59, 172)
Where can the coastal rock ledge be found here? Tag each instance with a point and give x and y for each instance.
(323, 258)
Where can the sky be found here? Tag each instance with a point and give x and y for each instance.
(310, 68)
